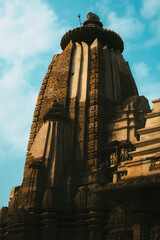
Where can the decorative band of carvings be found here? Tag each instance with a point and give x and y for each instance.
(95, 110)
(155, 165)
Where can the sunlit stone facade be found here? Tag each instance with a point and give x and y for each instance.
(92, 170)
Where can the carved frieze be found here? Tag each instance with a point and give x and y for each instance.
(124, 154)
(118, 152)
(113, 158)
(155, 165)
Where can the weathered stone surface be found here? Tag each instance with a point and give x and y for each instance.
(93, 152)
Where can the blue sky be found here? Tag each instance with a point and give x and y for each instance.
(30, 34)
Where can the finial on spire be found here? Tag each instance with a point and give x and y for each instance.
(92, 20)
(91, 16)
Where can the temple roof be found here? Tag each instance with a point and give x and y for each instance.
(92, 29)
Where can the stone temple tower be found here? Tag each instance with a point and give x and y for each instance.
(92, 170)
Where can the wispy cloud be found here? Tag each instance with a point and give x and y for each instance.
(141, 71)
(158, 66)
(147, 84)
(129, 27)
(150, 11)
(155, 29)
(150, 8)
(16, 106)
(125, 22)
(28, 29)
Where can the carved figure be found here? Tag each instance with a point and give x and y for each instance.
(124, 154)
(113, 158)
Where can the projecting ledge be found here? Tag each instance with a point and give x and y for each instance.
(145, 152)
(124, 119)
(148, 130)
(146, 142)
(130, 184)
(152, 115)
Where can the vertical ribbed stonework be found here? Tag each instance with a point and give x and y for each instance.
(96, 93)
(83, 100)
(116, 77)
(73, 95)
(78, 88)
(54, 87)
(108, 83)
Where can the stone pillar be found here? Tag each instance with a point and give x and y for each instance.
(95, 225)
(141, 222)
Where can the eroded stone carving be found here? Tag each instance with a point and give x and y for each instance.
(113, 159)
(124, 155)
(155, 165)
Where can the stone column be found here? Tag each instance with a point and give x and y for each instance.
(141, 222)
(95, 228)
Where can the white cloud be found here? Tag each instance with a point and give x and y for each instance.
(128, 27)
(12, 77)
(16, 106)
(146, 83)
(158, 66)
(150, 8)
(141, 71)
(121, 17)
(104, 7)
(27, 30)
(155, 28)
(150, 11)
(3, 155)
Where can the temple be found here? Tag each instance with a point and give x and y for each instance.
(92, 170)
